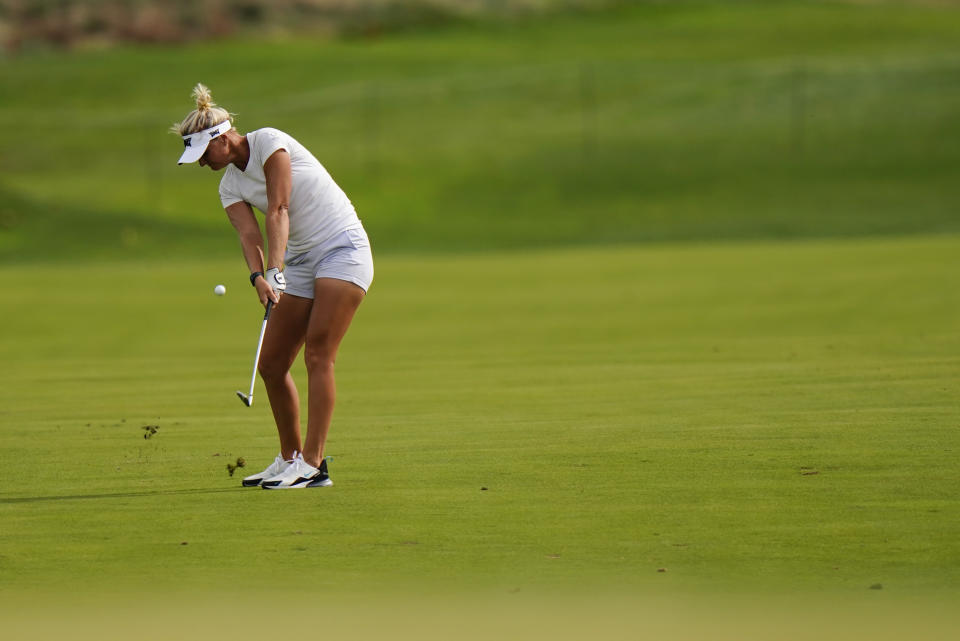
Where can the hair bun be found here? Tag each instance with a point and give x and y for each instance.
(203, 97)
(206, 115)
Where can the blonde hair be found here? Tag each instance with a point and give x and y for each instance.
(206, 115)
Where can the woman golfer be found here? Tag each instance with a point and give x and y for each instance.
(318, 268)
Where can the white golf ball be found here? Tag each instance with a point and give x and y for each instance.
(219, 290)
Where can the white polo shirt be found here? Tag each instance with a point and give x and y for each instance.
(318, 207)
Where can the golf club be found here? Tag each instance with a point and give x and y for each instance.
(248, 398)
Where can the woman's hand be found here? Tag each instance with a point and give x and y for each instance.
(270, 286)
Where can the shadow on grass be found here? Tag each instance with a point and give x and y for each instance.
(118, 495)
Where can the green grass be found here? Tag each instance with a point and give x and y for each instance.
(725, 361)
(755, 417)
(651, 122)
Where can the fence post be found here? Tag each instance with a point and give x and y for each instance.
(588, 108)
(798, 107)
(371, 130)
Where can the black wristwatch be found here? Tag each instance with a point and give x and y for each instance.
(253, 278)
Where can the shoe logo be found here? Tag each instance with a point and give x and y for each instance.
(317, 476)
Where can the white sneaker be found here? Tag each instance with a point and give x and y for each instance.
(298, 475)
(277, 467)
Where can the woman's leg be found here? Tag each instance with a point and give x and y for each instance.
(285, 334)
(334, 304)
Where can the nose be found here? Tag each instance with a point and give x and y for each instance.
(203, 160)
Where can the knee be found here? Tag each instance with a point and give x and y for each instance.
(318, 358)
(272, 368)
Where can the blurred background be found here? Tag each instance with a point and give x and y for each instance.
(665, 298)
(486, 124)
(69, 23)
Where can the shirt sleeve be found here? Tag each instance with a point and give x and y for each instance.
(268, 142)
(228, 192)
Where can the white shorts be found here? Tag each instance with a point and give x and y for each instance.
(346, 256)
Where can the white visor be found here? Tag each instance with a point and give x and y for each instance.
(196, 144)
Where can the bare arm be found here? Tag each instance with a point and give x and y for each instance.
(251, 242)
(279, 183)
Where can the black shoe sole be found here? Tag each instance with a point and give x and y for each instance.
(326, 482)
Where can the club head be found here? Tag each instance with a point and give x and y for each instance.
(247, 400)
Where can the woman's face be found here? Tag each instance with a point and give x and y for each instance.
(217, 154)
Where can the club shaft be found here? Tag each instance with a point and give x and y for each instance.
(256, 357)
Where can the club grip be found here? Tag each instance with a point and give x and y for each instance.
(266, 314)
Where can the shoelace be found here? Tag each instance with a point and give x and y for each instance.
(296, 463)
(304, 469)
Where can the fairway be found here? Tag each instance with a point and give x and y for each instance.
(747, 416)
(662, 341)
